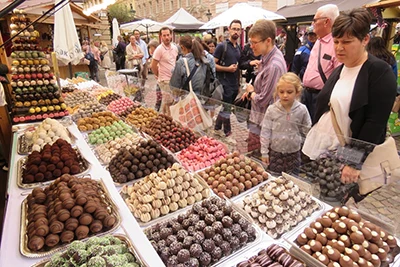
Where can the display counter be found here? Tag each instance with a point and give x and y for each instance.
(264, 209)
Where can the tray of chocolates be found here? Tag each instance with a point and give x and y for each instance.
(341, 237)
(266, 253)
(279, 206)
(164, 193)
(232, 176)
(105, 152)
(69, 209)
(113, 250)
(39, 169)
(208, 234)
(34, 137)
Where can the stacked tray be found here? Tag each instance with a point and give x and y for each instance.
(44, 225)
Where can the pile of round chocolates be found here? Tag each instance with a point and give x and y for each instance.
(161, 193)
(233, 175)
(274, 255)
(341, 238)
(139, 162)
(51, 162)
(278, 206)
(96, 251)
(141, 116)
(209, 231)
(69, 209)
(169, 133)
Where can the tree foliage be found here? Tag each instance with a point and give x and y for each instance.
(121, 12)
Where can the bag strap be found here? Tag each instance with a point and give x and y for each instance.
(321, 72)
(336, 127)
(189, 74)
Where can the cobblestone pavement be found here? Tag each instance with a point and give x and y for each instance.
(239, 130)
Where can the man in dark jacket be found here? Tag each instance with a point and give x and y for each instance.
(302, 55)
(248, 61)
(120, 54)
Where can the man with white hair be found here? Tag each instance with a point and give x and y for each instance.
(322, 59)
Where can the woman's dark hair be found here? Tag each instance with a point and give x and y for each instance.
(211, 41)
(377, 47)
(203, 44)
(193, 46)
(354, 23)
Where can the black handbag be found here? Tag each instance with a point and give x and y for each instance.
(242, 108)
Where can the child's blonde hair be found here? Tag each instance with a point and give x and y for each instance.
(290, 78)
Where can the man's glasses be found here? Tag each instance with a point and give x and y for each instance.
(255, 42)
(316, 19)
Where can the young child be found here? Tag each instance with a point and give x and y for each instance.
(285, 124)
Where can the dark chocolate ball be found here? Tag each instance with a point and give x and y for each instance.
(236, 229)
(219, 214)
(216, 253)
(217, 227)
(188, 241)
(195, 250)
(208, 245)
(198, 237)
(218, 239)
(209, 232)
(243, 237)
(194, 218)
(175, 247)
(227, 210)
(235, 243)
(172, 261)
(226, 248)
(170, 239)
(205, 259)
(165, 254)
(200, 225)
(213, 208)
(226, 234)
(235, 216)
(227, 221)
(183, 255)
(181, 235)
(176, 226)
(209, 219)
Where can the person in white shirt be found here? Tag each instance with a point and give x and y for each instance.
(142, 44)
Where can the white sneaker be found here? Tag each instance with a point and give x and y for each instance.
(218, 133)
(230, 140)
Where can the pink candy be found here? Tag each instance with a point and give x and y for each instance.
(205, 152)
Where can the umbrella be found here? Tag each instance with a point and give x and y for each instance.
(66, 42)
(244, 12)
(144, 25)
(116, 32)
(183, 20)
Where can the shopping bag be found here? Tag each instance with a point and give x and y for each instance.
(190, 112)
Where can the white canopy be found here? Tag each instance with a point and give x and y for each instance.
(182, 20)
(244, 12)
(66, 42)
(144, 25)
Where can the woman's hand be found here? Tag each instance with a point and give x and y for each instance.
(349, 175)
(265, 160)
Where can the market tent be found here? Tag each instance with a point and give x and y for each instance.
(182, 20)
(244, 12)
(115, 31)
(144, 25)
(66, 42)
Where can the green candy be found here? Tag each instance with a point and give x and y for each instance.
(96, 261)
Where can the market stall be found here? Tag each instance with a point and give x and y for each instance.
(176, 194)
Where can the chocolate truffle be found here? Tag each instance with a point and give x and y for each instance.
(81, 232)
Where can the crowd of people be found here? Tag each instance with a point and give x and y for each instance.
(341, 77)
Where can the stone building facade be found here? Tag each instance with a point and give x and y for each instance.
(161, 10)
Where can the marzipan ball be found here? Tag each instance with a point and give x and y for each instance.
(333, 254)
(352, 254)
(311, 233)
(302, 239)
(322, 238)
(324, 259)
(357, 237)
(330, 233)
(346, 261)
(315, 245)
(375, 260)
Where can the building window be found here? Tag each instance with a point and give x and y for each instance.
(163, 5)
(179, 3)
(171, 5)
(187, 2)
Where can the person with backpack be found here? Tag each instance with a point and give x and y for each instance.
(300, 60)
(227, 56)
(192, 52)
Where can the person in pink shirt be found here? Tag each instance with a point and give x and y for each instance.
(322, 59)
(162, 65)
